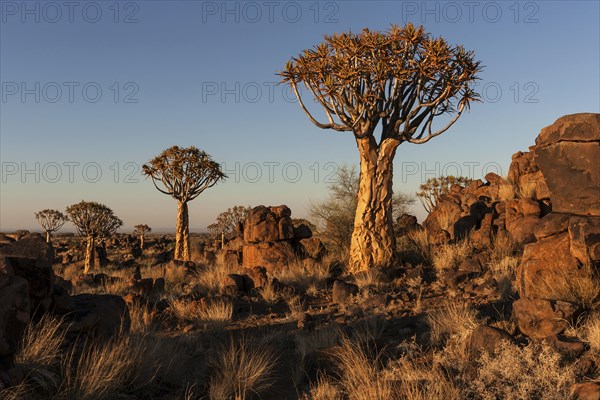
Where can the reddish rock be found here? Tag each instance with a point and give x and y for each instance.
(585, 391)
(485, 339)
(540, 319)
(271, 255)
(343, 291)
(584, 236)
(568, 154)
(545, 261)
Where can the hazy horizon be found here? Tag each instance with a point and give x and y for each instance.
(88, 97)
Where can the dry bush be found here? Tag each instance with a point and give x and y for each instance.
(531, 372)
(303, 275)
(449, 256)
(213, 311)
(296, 306)
(212, 277)
(421, 244)
(242, 370)
(502, 246)
(506, 191)
(422, 381)
(591, 331)
(361, 372)
(268, 292)
(309, 343)
(19, 392)
(527, 190)
(41, 353)
(453, 319)
(104, 370)
(444, 219)
(71, 271)
(324, 388)
(580, 287)
(143, 317)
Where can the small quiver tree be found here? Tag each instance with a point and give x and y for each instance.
(51, 221)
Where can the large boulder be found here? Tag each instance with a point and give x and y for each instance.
(568, 154)
(99, 315)
(544, 263)
(268, 224)
(271, 255)
(540, 319)
(14, 312)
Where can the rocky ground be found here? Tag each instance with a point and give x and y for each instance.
(497, 296)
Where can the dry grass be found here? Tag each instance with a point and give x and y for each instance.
(217, 311)
(324, 388)
(296, 306)
(453, 319)
(580, 287)
(143, 318)
(303, 275)
(449, 256)
(268, 292)
(212, 276)
(242, 370)
(421, 244)
(361, 373)
(103, 370)
(591, 332)
(423, 381)
(527, 190)
(531, 372)
(506, 191)
(41, 353)
(445, 219)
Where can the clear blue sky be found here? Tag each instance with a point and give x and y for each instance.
(202, 73)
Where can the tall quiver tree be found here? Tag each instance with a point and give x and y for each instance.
(140, 231)
(400, 80)
(51, 221)
(183, 173)
(94, 221)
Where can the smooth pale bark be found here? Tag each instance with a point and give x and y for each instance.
(182, 233)
(373, 242)
(47, 236)
(89, 255)
(142, 242)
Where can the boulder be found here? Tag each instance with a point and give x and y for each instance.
(544, 262)
(487, 339)
(540, 319)
(584, 236)
(568, 154)
(302, 231)
(585, 391)
(99, 315)
(343, 291)
(271, 255)
(14, 313)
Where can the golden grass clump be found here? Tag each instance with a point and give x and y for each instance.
(532, 372)
(242, 370)
(450, 255)
(453, 319)
(506, 191)
(361, 372)
(419, 240)
(212, 311)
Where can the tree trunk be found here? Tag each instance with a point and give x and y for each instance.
(373, 241)
(47, 236)
(142, 242)
(182, 234)
(89, 255)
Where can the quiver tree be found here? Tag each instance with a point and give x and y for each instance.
(183, 173)
(229, 222)
(95, 222)
(400, 80)
(140, 231)
(51, 221)
(434, 188)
